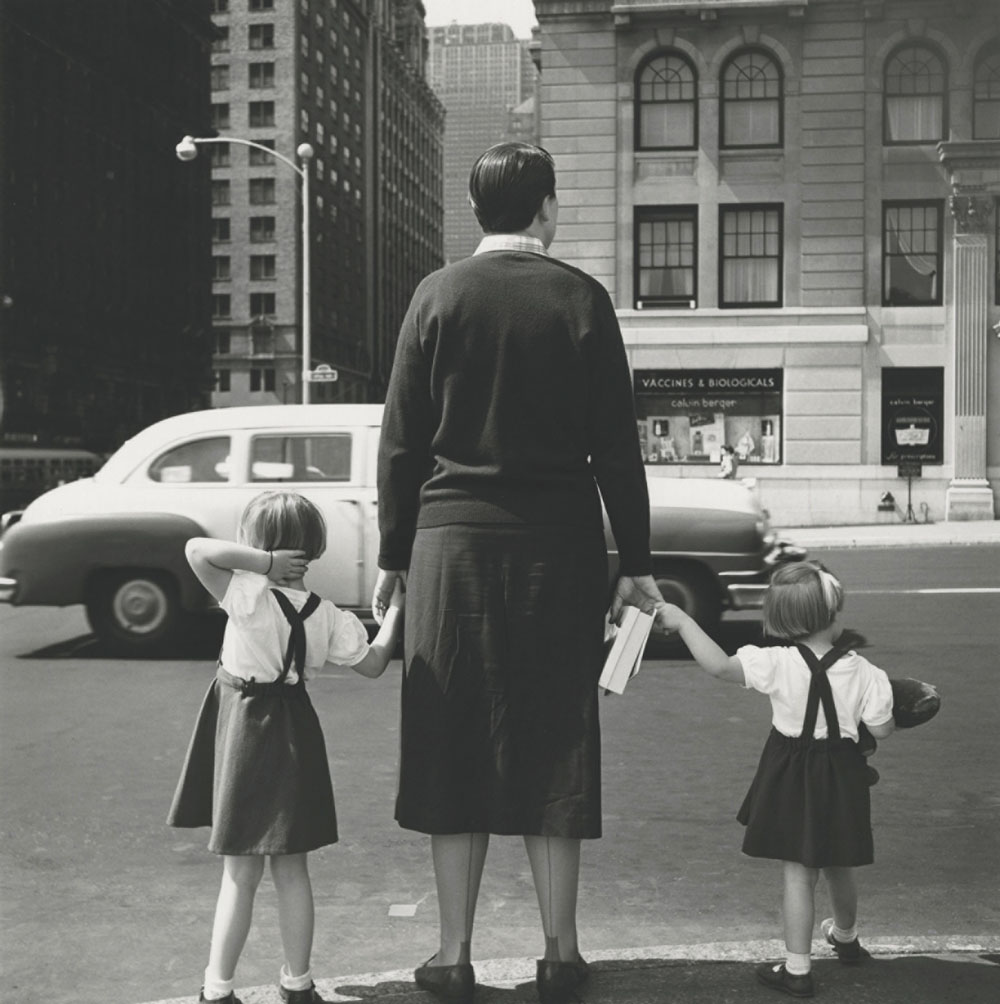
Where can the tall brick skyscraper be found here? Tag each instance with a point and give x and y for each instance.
(349, 80)
(481, 73)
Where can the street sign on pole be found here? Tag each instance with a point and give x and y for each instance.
(322, 374)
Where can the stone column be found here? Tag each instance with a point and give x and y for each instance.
(973, 169)
(969, 495)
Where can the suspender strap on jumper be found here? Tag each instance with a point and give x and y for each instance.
(820, 690)
(296, 650)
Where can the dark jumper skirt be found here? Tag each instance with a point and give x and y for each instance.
(503, 646)
(810, 801)
(256, 769)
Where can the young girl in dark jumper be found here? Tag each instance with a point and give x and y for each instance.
(809, 803)
(256, 770)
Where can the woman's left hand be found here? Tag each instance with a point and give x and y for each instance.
(385, 586)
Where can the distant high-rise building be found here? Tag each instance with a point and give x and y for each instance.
(483, 76)
(348, 79)
(104, 247)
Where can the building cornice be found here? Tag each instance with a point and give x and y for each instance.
(969, 154)
(546, 9)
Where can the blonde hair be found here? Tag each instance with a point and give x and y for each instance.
(283, 520)
(803, 598)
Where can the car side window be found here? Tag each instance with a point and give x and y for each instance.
(197, 462)
(314, 457)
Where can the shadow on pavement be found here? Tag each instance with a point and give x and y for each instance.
(200, 638)
(921, 979)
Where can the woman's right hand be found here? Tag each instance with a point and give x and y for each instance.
(636, 591)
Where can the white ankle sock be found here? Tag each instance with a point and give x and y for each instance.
(216, 989)
(844, 935)
(797, 964)
(289, 982)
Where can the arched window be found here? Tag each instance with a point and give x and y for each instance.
(986, 94)
(752, 100)
(666, 104)
(916, 82)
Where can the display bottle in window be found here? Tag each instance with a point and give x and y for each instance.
(767, 441)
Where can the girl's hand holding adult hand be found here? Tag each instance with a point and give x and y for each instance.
(384, 594)
(287, 566)
(669, 618)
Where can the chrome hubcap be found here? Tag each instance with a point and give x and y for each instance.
(140, 606)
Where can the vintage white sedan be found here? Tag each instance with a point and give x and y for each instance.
(115, 541)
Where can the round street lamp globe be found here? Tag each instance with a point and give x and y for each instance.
(186, 149)
(304, 151)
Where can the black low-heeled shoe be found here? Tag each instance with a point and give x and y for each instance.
(454, 984)
(557, 982)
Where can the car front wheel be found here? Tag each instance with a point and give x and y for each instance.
(134, 612)
(692, 589)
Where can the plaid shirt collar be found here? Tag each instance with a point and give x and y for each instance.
(511, 242)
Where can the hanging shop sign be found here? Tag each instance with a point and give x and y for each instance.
(913, 414)
(687, 416)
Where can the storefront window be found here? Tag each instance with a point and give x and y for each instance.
(687, 416)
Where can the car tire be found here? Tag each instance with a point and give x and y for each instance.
(133, 611)
(693, 590)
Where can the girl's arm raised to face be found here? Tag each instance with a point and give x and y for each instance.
(704, 650)
(214, 561)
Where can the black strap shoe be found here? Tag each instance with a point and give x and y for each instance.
(454, 984)
(558, 982)
(310, 996)
(776, 976)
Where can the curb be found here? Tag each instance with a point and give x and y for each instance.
(398, 985)
(899, 535)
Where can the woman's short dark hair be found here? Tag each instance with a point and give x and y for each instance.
(508, 184)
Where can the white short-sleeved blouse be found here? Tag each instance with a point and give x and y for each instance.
(861, 691)
(257, 633)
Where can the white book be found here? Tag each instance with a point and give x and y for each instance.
(624, 645)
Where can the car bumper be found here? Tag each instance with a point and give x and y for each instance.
(748, 593)
(8, 590)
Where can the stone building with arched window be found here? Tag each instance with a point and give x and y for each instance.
(794, 205)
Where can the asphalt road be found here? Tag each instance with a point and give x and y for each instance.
(100, 901)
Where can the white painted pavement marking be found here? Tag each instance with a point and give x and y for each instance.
(406, 909)
(956, 591)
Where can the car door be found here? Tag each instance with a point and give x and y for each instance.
(191, 476)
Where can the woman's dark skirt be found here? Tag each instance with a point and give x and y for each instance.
(256, 771)
(809, 802)
(503, 648)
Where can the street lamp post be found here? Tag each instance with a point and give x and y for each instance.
(187, 149)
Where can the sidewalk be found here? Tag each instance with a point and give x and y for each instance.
(895, 534)
(902, 971)
(939, 970)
